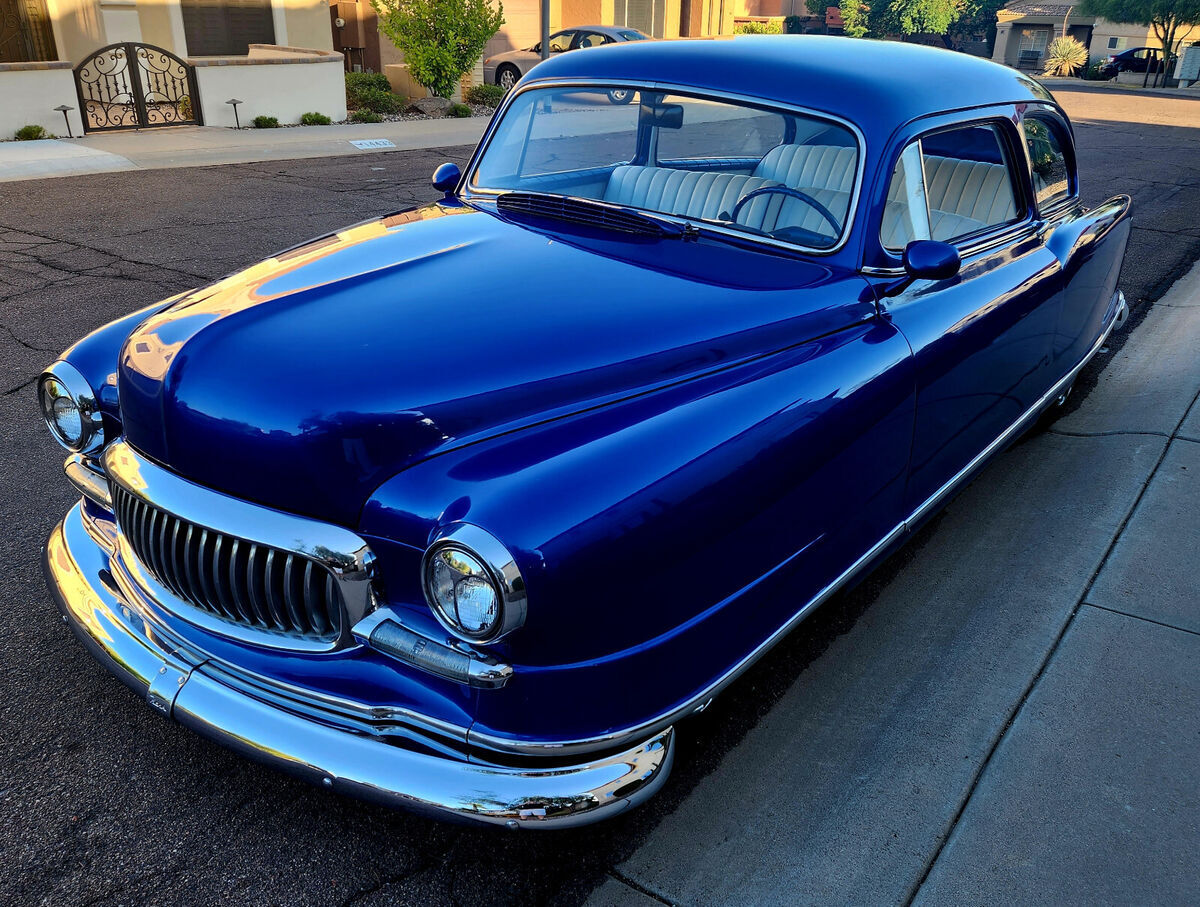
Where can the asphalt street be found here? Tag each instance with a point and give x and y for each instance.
(102, 802)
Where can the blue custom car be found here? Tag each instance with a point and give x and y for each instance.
(464, 508)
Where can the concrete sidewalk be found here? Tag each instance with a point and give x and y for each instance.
(1016, 716)
(197, 146)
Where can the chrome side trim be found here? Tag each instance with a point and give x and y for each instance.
(343, 553)
(712, 94)
(701, 700)
(184, 687)
(89, 480)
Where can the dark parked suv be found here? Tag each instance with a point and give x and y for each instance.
(1136, 59)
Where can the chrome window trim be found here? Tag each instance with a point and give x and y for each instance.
(343, 553)
(466, 190)
(701, 700)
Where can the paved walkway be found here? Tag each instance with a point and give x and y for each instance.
(196, 146)
(1016, 718)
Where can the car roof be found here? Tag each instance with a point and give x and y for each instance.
(858, 79)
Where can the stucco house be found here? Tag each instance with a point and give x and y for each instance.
(1026, 27)
(179, 61)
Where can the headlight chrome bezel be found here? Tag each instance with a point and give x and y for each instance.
(80, 392)
(501, 569)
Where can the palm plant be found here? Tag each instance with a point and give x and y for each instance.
(1065, 57)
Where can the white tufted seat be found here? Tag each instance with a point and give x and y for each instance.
(824, 172)
(964, 196)
(686, 193)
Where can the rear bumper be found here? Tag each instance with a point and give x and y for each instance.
(184, 687)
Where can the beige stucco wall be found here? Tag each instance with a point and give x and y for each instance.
(78, 27)
(280, 89)
(155, 19)
(307, 23)
(30, 96)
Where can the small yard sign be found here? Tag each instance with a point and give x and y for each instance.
(372, 143)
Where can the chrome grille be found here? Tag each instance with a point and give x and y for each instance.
(251, 584)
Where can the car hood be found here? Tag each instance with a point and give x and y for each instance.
(310, 378)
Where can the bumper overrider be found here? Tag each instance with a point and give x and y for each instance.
(188, 687)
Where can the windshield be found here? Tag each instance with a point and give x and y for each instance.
(773, 173)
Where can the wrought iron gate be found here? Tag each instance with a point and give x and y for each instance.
(135, 86)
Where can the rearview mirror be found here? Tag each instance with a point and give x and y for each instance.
(928, 259)
(664, 116)
(446, 177)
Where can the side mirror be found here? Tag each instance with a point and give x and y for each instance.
(925, 259)
(928, 259)
(446, 178)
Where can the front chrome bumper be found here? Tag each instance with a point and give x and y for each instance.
(187, 688)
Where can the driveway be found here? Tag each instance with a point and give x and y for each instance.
(903, 744)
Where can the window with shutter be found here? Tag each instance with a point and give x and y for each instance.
(226, 27)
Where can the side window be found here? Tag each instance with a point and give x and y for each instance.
(949, 185)
(1051, 169)
(561, 42)
(591, 39)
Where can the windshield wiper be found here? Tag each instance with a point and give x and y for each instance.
(593, 213)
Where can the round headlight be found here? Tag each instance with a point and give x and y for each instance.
(473, 585)
(70, 409)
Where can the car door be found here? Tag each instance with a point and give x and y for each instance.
(980, 340)
(1089, 244)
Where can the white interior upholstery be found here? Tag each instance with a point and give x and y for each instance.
(964, 196)
(826, 173)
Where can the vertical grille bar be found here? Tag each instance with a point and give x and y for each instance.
(248, 583)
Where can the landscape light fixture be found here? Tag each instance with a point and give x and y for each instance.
(64, 108)
(237, 124)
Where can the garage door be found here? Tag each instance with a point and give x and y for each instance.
(225, 27)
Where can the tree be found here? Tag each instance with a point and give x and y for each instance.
(441, 39)
(974, 17)
(1171, 20)
(855, 18)
(915, 17)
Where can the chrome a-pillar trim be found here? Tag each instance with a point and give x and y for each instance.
(343, 553)
(701, 700)
(184, 686)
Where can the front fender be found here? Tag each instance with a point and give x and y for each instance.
(664, 538)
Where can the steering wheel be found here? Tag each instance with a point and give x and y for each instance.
(793, 193)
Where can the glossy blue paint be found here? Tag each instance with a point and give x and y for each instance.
(681, 441)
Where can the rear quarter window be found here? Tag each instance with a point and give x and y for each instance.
(1049, 161)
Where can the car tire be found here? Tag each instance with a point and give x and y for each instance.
(620, 95)
(507, 76)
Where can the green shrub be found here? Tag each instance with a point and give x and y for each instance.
(31, 132)
(314, 119)
(265, 122)
(1092, 73)
(458, 110)
(771, 27)
(380, 101)
(793, 25)
(365, 116)
(359, 81)
(484, 95)
(441, 39)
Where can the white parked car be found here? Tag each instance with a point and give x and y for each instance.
(507, 69)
